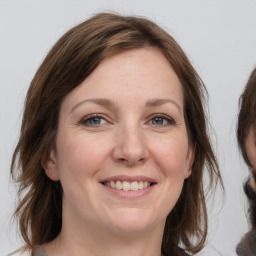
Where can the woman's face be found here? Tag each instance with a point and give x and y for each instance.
(122, 150)
(250, 146)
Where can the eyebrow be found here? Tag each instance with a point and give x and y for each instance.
(110, 104)
(159, 102)
(102, 102)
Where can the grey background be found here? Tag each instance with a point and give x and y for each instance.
(218, 36)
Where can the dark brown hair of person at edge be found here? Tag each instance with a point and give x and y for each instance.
(71, 60)
(246, 120)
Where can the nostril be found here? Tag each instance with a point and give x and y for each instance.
(131, 161)
(122, 160)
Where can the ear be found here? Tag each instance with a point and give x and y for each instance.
(49, 164)
(189, 161)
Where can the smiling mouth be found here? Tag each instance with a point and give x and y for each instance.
(128, 186)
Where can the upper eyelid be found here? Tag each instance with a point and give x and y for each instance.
(91, 116)
(162, 115)
(170, 119)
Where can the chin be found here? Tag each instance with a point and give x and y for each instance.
(134, 221)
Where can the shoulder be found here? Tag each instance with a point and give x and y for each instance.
(247, 246)
(21, 253)
(37, 251)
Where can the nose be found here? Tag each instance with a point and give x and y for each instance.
(130, 148)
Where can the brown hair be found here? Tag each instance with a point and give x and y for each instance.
(247, 114)
(76, 54)
(246, 119)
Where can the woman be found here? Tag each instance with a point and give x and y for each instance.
(113, 145)
(246, 136)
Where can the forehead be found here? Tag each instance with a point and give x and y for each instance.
(136, 74)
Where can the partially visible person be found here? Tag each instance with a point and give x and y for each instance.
(246, 135)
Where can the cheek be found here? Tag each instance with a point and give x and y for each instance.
(172, 160)
(252, 157)
(171, 156)
(79, 156)
(251, 151)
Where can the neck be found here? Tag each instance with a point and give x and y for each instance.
(92, 241)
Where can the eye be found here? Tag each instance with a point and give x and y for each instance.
(93, 120)
(161, 120)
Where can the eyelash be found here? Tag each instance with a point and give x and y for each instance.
(169, 120)
(84, 121)
(88, 118)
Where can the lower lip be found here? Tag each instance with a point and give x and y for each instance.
(129, 193)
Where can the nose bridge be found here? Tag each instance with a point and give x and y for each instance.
(133, 139)
(131, 146)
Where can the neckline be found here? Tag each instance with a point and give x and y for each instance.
(39, 251)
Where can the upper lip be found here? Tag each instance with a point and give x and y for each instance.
(128, 178)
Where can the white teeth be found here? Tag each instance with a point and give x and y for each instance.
(141, 185)
(145, 184)
(119, 185)
(127, 186)
(134, 185)
(112, 184)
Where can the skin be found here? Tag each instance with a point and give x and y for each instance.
(250, 146)
(140, 133)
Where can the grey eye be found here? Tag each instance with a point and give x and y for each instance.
(159, 121)
(93, 121)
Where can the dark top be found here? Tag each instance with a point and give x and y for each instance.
(247, 246)
(38, 251)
